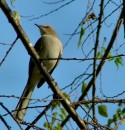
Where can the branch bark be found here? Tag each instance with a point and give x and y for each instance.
(99, 101)
(95, 55)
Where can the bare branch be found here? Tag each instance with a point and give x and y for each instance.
(39, 116)
(99, 101)
(5, 123)
(1, 104)
(52, 11)
(8, 50)
(95, 55)
(56, 2)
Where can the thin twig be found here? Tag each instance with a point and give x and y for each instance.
(6, 109)
(95, 55)
(40, 115)
(98, 101)
(9, 51)
(5, 123)
(52, 11)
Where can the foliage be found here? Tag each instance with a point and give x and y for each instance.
(102, 109)
(117, 60)
(118, 118)
(81, 35)
(58, 114)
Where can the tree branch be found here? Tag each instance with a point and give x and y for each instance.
(2, 105)
(99, 101)
(39, 116)
(8, 51)
(95, 55)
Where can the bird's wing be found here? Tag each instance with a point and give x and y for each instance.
(38, 49)
(42, 79)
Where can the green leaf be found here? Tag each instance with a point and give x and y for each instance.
(99, 55)
(84, 85)
(119, 113)
(109, 122)
(54, 114)
(46, 124)
(115, 117)
(80, 38)
(55, 104)
(103, 48)
(63, 111)
(120, 104)
(110, 56)
(87, 106)
(118, 61)
(54, 117)
(61, 116)
(58, 127)
(123, 111)
(102, 109)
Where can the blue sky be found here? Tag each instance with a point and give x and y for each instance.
(14, 71)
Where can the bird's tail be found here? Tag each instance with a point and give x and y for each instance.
(23, 103)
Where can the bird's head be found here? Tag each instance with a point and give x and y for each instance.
(46, 30)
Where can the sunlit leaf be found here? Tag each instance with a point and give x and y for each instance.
(46, 124)
(99, 55)
(87, 106)
(109, 122)
(102, 109)
(103, 48)
(63, 111)
(110, 56)
(118, 61)
(61, 116)
(81, 35)
(84, 85)
(54, 114)
(58, 127)
(55, 104)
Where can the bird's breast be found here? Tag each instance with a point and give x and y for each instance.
(51, 48)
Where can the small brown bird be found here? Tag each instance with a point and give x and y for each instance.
(48, 46)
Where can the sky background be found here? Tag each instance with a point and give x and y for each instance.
(14, 70)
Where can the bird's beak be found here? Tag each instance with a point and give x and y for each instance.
(37, 25)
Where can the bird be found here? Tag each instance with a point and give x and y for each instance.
(48, 46)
